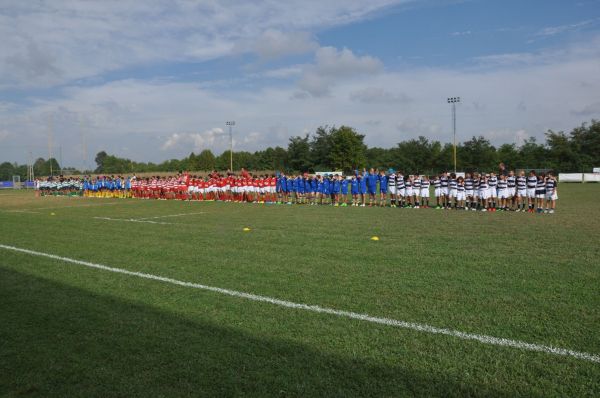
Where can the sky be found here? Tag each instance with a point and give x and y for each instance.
(154, 80)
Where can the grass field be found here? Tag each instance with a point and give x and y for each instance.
(70, 330)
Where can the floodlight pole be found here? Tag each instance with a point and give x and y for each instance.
(230, 123)
(454, 101)
(50, 123)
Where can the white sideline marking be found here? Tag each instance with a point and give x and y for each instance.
(170, 215)
(497, 341)
(132, 220)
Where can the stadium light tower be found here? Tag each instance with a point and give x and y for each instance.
(230, 124)
(454, 101)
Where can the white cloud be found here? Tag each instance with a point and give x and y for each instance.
(333, 62)
(555, 30)
(197, 141)
(411, 128)
(4, 135)
(461, 33)
(506, 135)
(589, 110)
(52, 42)
(138, 119)
(332, 65)
(274, 43)
(284, 73)
(584, 50)
(378, 95)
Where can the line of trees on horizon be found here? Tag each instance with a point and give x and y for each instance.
(343, 148)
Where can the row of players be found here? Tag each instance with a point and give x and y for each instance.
(472, 192)
(59, 184)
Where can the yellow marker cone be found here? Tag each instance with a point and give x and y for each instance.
(52, 214)
(375, 238)
(246, 229)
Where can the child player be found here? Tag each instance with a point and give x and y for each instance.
(469, 191)
(437, 191)
(531, 185)
(344, 195)
(452, 191)
(400, 188)
(416, 185)
(371, 178)
(521, 191)
(408, 191)
(461, 195)
(392, 187)
(425, 191)
(503, 193)
(540, 193)
(383, 185)
(511, 182)
(484, 192)
(493, 182)
(363, 189)
(354, 190)
(335, 191)
(551, 193)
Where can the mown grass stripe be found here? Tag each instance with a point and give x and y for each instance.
(489, 340)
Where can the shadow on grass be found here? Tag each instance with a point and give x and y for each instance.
(56, 340)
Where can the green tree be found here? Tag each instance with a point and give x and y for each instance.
(43, 167)
(298, 153)
(320, 147)
(100, 157)
(509, 155)
(172, 165)
(585, 141)
(190, 163)
(280, 158)
(21, 170)
(416, 155)
(7, 170)
(561, 153)
(39, 167)
(222, 161)
(445, 158)
(477, 154)
(381, 157)
(532, 155)
(347, 149)
(205, 161)
(244, 160)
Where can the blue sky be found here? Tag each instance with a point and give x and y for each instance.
(156, 80)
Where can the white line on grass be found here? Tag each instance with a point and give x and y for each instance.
(171, 215)
(490, 340)
(133, 220)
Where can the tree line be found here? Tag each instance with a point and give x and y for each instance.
(343, 148)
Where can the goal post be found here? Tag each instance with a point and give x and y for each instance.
(16, 182)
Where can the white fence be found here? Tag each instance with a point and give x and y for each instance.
(579, 177)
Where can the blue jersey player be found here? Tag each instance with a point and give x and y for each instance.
(371, 178)
(344, 196)
(383, 188)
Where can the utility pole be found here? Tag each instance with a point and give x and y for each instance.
(30, 175)
(50, 121)
(60, 159)
(83, 146)
(230, 124)
(454, 101)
